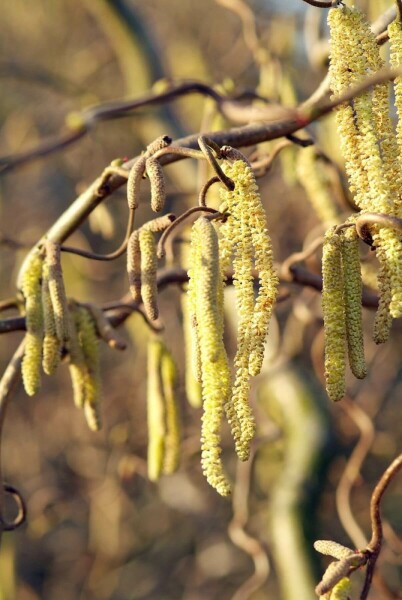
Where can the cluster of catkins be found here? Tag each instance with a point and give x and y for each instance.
(57, 327)
(335, 583)
(372, 152)
(242, 239)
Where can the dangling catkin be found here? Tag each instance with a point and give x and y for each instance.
(353, 301)
(134, 182)
(57, 292)
(204, 284)
(333, 306)
(31, 288)
(134, 265)
(149, 265)
(51, 343)
(245, 235)
(157, 182)
(155, 411)
(173, 429)
(311, 177)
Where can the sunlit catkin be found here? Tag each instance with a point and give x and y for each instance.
(173, 429)
(57, 292)
(333, 306)
(353, 301)
(192, 355)
(395, 38)
(157, 181)
(245, 235)
(149, 265)
(31, 288)
(204, 284)
(51, 343)
(155, 411)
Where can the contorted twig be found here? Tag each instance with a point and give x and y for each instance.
(352, 470)
(374, 546)
(7, 385)
(240, 537)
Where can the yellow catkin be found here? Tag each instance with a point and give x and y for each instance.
(353, 301)
(342, 590)
(51, 343)
(245, 236)
(155, 411)
(157, 181)
(149, 265)
(76, 366)
(311, 177)
(134, 181)
(31, 289)
(88, 343)
(173, 428)
(389, 249)
(204, 284)
(334, 316)
(134, 265)
(58, 292)
(330, 548)
(395, 38)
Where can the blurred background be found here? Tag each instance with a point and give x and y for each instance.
(97, 529)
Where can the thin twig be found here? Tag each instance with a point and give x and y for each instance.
(180, 219)
(249, 544)
(7, 385)
(374, 546)
(352, 470)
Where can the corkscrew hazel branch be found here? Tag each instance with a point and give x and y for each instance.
(177, 221)
(203, 192)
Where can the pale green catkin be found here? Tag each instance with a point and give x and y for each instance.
(353, 301)
(31, 289)
(311, 177)
(51, 343)
(192, 382)
(85, 367)
(149, 265)
(155, 411)
(204, 274)
(173, 427)
(77, 366)
(57, 292)
(333, 305)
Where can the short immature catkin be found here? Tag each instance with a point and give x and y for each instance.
(342, 590)
(333, 306)
(336, 571)
(58, 292)
(155, 411)
(173, 429)
(330, 548)
(149, 265)
(51, 343)
(157, 181)
(353, 301)
(134, 181)
(204, 285)
(31, 288)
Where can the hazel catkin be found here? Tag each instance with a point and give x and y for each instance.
(333, 306)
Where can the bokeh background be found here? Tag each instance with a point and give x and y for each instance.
(97, 529)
